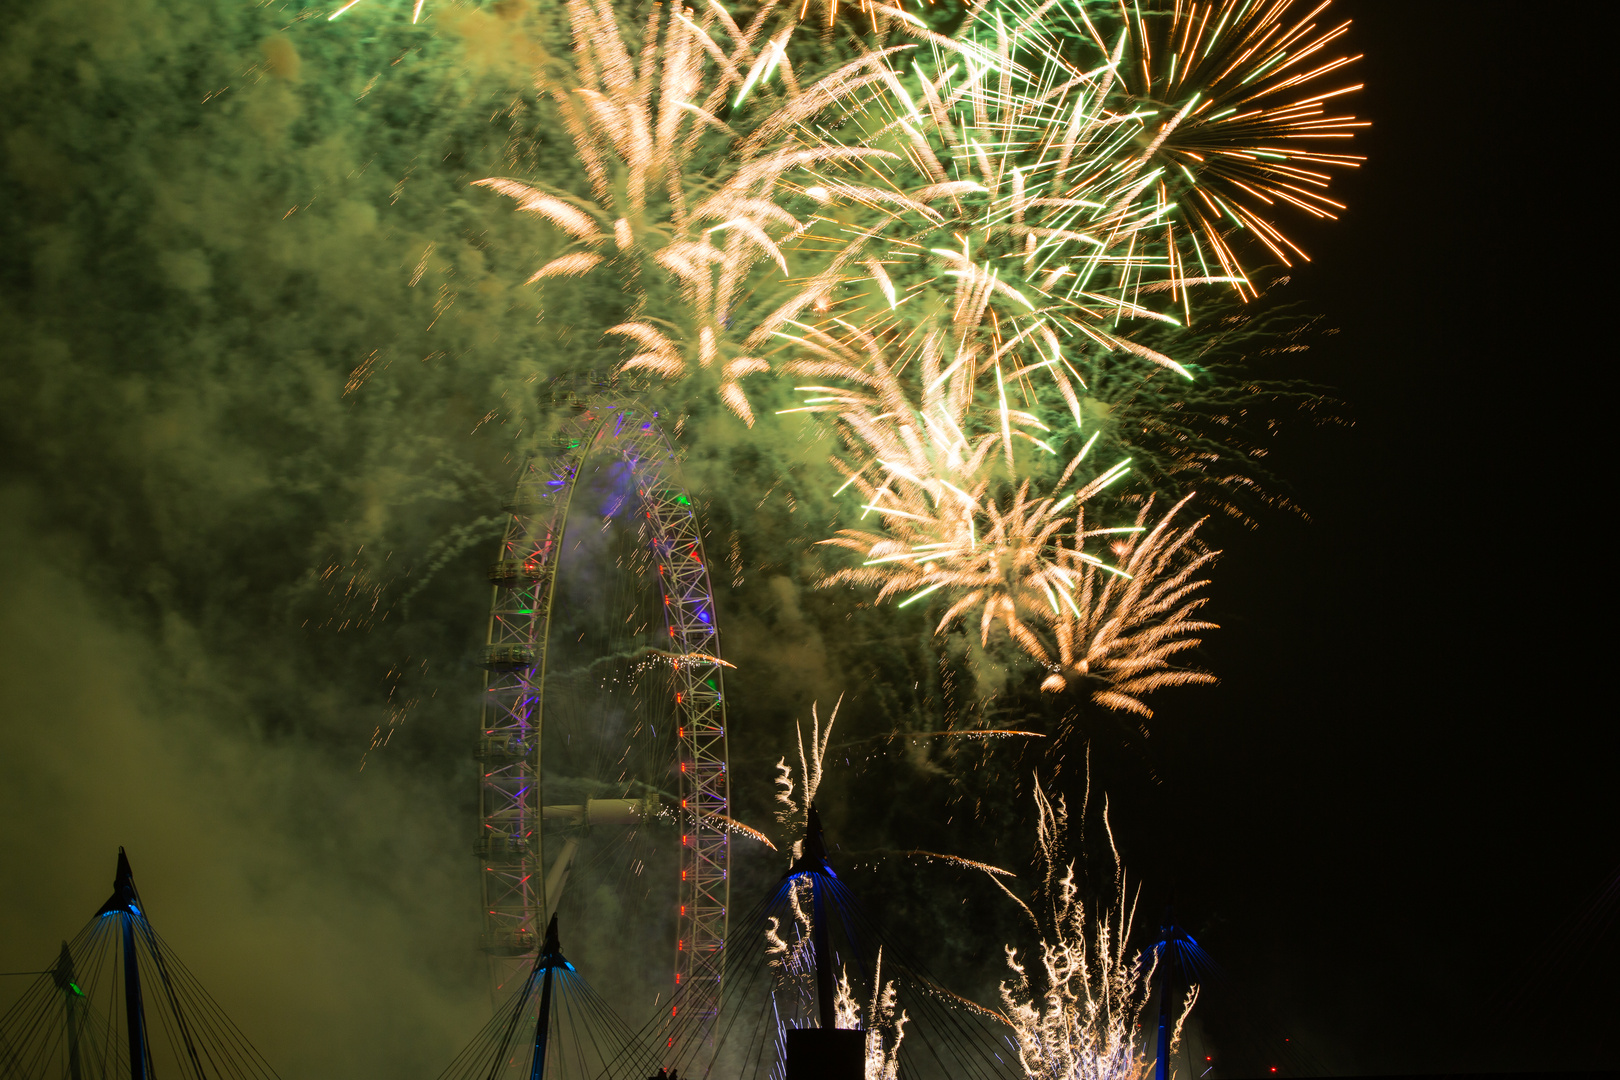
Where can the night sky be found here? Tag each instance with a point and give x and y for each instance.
(1392, 822)
(1406, 774)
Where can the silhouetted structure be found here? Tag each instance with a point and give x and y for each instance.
(554, 1026)
(1175, 950)
(86, 1017)
(824, 1053)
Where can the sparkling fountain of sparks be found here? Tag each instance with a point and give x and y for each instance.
(790, 955)
(789, 949)
(1077, 1014)
(883, 1021)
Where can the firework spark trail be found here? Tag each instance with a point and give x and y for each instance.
(958, 860)
(731, 824)
(679, 199)
(1079, 1019)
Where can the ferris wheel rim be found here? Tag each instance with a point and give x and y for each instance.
(516, 654)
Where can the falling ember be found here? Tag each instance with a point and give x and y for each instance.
(957, 860)
(733, 825)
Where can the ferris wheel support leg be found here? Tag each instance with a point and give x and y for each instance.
(558, 877)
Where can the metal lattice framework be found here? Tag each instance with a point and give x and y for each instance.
(511, 804)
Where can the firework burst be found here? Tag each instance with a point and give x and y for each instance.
(1120, 632)
(1059, 245)
(685, 209)
(1228, 109)
(944, 513)
(974, 232)
(1062, 173)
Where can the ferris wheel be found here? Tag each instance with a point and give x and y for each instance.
(603, 781)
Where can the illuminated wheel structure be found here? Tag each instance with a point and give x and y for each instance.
(604, 791)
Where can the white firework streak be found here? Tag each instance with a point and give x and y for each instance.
(883, 1021)
(1080, 1018)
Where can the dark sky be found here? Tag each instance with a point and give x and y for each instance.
(1400, 801)
(1383, 823)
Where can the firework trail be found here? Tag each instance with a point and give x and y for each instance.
(683, 208)
(1079, 1018)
